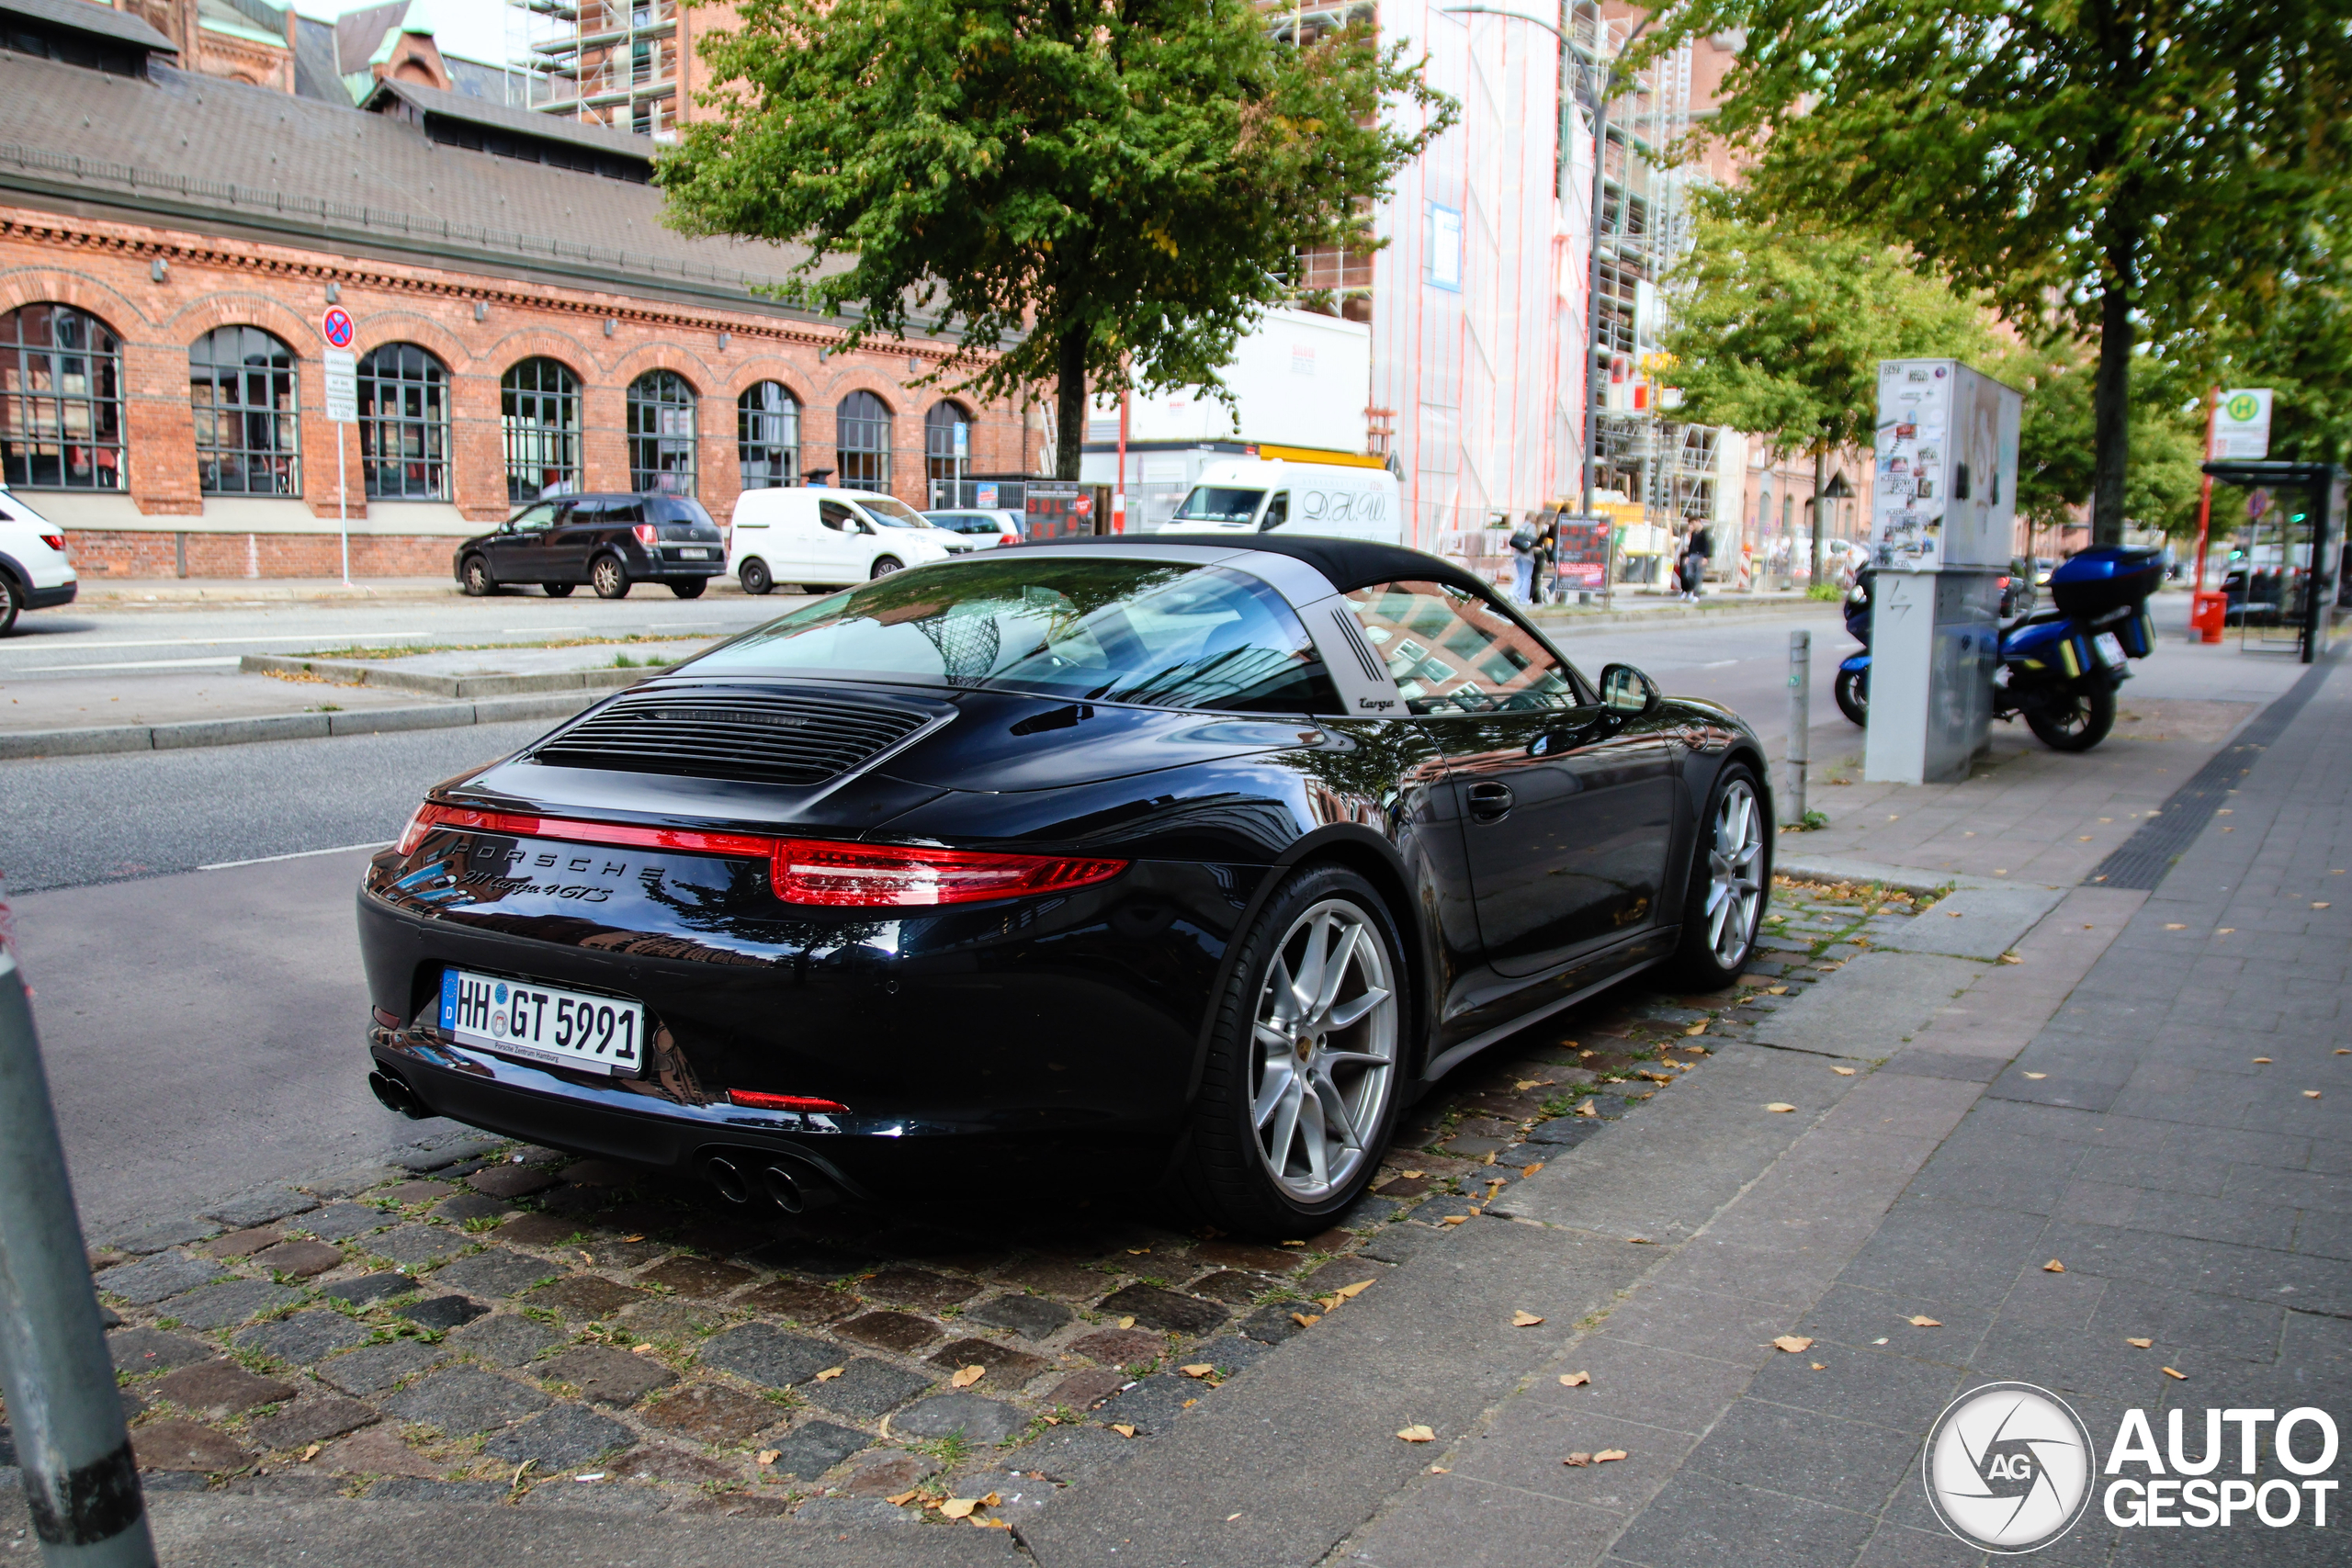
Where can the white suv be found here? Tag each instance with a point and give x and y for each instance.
(34, 572)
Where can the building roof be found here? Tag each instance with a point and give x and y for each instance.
(516, 121)
(99, 21)
(199, 151)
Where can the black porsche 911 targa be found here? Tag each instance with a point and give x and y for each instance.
(1202, 858)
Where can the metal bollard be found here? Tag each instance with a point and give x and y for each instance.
(1800, 720)
(81, 1484)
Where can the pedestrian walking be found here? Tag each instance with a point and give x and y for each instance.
(1700, 545)
(1522, 548)
(1547, 559)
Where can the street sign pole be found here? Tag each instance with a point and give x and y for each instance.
(1800, 720)
(342, 408)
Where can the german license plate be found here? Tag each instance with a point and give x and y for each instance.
(539, 1023)
(2110, 649)
(693, 552)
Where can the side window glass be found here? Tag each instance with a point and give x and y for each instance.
(834, 515)
(1453, 652)
(623, 511)
(1277, 512)
(531, 519)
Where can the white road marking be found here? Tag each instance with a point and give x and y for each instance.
(1718, 664)
(217, 642)
(298, 855)
(130, 664)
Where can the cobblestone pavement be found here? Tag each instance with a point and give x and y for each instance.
(487, 1322)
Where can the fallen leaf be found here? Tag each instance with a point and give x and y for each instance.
(1776, 990)
(2180, 1377)
(1122, 1428)
(829, 1373)
(1531, 1169)
(1523, 1085)
(2344, 1050)
(2141, 1344)
(966, 1376)
(312, 1452)
(1843, 1072)
(1294, 1244)
(2264, 1060)
(1585, 1108)
(959, 1507)
(1578, 1461)
(1188, 1404)
(1793, 1343)
(2037, 1076)
(1820, 1366)
(2224, 931)
(992, 1524)
(1126, 1323)
(769, 1456)
(1137, 1251)
(1698, 1028)
(1416, 1435)
(632, 1238)
(1414, 1175)
(1230, 1518)
(2011, 958)
(1197, 1369)
(1454, 1220)
(2311, 1094)
(1606, 1455)
(900, 1499)
(644, 1349)
(2054, 1267)
(990, 1501)
(1306, 1319)
(1521, 1319)
(1575, 1380)
(1923, 1322)
(1350, 1292)
(1779, 1105)
(2319, 906)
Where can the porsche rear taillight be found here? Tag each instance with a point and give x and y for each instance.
(821, 872)
(753, 1099)
(867, 877)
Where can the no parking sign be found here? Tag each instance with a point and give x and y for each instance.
(335, 327)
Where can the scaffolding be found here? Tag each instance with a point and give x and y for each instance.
(615, 63)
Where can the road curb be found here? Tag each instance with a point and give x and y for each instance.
(102, 739)
(355, 672)
(1559, 617)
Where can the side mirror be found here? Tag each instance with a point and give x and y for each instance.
(1625, 689)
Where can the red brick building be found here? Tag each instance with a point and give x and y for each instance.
(170, 242)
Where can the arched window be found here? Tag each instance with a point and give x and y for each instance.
(946, 450)
(538, 408)
(661, 434)
(404, 423)
(768, 436)
(861, 442)
(248, 414)
(60, 400)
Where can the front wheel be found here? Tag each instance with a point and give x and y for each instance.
(1853, 689)
(1731, 878)
(754, 578)
(609, 577)
(479, 585)
(2072, 718)
(12, 603)
(886, 565)
(690, 588)
(1300, 1087)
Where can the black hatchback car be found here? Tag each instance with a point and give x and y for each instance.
(610, 542)
(1197, 861)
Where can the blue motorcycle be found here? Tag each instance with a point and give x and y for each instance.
(2060, 667)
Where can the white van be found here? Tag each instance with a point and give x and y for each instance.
(1253, 495)
(34, 572)
(826, 538)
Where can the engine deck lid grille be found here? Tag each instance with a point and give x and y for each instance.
(796, 739)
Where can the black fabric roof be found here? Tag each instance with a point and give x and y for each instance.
(1348, 563)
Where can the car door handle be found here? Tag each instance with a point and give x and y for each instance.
(1490, 802)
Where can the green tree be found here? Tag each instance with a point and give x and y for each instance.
(2055, 471)
(1779, 328)
(1104, 192)
(2134, 165)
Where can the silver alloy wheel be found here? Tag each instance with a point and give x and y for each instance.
(1324, 1051)
(1734, 896)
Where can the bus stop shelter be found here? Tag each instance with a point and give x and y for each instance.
(2311, 546)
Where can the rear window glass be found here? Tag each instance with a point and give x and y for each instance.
(1157, 633)
(681, 510)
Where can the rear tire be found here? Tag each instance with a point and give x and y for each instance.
(478, 583)
(1297, 1099)
(2072, 719)
(1731, 882)
(558, 589)
(1853, 689)
(754, 578)
(608, 577)
(691, 588)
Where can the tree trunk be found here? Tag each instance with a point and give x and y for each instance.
(1069, 402)
(1820, 508)
(2111, 397)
